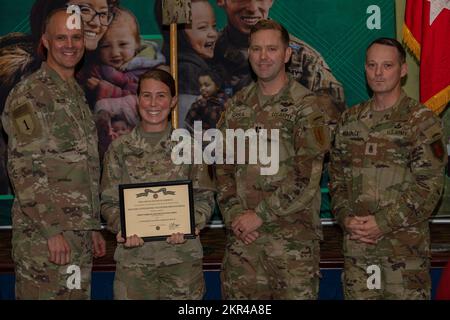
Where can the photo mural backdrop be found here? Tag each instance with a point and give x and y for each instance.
(339, 31)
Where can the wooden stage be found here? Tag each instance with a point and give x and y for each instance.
(213, 240)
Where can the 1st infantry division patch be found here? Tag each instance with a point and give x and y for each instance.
(25, 121)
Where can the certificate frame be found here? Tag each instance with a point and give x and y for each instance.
(153, 223)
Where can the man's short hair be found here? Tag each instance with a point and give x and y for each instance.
(268, 24)
(41, 51)
(391, 43)
(39, 13)
(50, 15)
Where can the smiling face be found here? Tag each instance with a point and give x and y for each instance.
(93, 30)
(65, 47)
(202, 33)
(119, 45)
(243, 14)
(268, 55)
(384, 70)
(155, 104)
(208, 87)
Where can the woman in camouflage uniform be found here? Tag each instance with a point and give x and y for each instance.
(170, 269)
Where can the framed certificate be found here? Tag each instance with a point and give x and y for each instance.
(153, 211)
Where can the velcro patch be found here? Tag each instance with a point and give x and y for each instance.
(431, 129)
(438, 150)
(25, 122)
(321, 135)
(371, 149)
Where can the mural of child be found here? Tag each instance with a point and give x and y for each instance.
(197, 50)
(196, 43)
(113, 80)
(209, 104)
(123, 59)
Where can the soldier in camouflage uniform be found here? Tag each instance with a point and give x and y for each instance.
(169, 269)
(307, 66)
(272, 221)
(54, 168)
(386, 178)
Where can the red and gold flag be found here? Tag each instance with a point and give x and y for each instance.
(427, 33)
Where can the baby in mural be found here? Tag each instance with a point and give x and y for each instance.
(210, 103)
(123, 58)
(119, 126)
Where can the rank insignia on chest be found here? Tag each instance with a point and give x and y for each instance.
(371, 149)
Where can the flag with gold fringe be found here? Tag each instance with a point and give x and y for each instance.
(426, 32)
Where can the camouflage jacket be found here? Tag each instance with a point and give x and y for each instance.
(133, 159)
(392, 169)
(288, 202)
(53, 160)
(307, 66)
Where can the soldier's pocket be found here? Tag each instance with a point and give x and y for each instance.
(411, 241)
(416, 274)
(68, 169)
(136, 167)
(29, 247)
(304, 268)
(63, 127)
(196, 281)
(306, 252)
(392, 183)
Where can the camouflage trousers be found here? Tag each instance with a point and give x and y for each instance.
(181, 281)
(38, 278)
(404, 278)
(276, 269)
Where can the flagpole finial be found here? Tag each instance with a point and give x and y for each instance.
(176, 11)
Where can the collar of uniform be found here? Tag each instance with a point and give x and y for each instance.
(141, 134)
(369, 107)
(281, 96)
(163, 133)
(56, 78)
